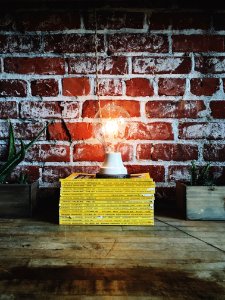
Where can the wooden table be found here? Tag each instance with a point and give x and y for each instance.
(175, 259)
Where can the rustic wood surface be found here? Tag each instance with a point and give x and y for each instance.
(175, 259)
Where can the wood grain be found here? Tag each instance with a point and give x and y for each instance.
(175, 259)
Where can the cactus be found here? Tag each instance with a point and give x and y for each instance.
(200, 176)
(193, 173)
(14, 157)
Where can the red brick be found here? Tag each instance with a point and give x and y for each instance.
(156, 172)
(88, 152)
(58, 131)
(179, 20)
(204, 86)
(33, 173)
(28, 130)
(19, 43)
(44, 87)
(206, 65)
(139, 87)
(47, 20)
(70, 131)
(179, 173)
(106, 65)
(138, 42)
(24, 130)
(35, 65)
(144, 151)
(219, 21)
(4, 128)
(72, 43)
(171, 86)
(91, 107)
(48, 153)
(53, 173)
(80, 130)
(167, 152)
(202, 130)
(49, 109)
(218, 174)
(214, 152)
(13, 88)
(110, 87)
(8, 109)
(126, 151)
(150, 131)
(177, 152)
(218, 109)
(182, 173)
(76, 86)
(174, 109)
(161, 65)
(198, 43)
(113, 20)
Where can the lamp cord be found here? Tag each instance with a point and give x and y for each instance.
(96, 58)
(97, 78)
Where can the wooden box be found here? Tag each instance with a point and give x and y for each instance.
(18, 200)
(201, 202)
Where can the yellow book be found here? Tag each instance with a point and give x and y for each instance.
(111, 222)
(107, 188)
(93, 176)
(82, 179)
(86, 203)
(87, 200)
(107, 221)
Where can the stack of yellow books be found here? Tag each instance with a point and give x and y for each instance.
(87, 200)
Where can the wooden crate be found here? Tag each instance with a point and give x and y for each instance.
(18, 200)
(201, 202)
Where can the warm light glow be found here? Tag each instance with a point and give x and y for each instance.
(111, 128)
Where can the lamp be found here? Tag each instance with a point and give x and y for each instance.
(109, 132)
(110, 129)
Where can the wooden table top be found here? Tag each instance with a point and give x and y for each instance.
(175, 259)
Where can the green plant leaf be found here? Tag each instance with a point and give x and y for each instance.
(203, 177)
(35, 139)
(16, 157)
(23, 178)
(12, 147)
(7, 168)
(193, 173)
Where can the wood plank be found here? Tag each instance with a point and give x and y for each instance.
(117, 246)
(117, 254)
(40, 260)
(84, 234)
(156, 283)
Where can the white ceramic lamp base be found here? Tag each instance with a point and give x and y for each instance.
(113, 166)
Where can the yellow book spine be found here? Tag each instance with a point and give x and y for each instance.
(141, 222)
(76, 176)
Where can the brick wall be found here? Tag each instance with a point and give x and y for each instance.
(165, 67)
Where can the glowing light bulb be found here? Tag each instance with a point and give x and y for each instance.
(111, 128)
(109, 132)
